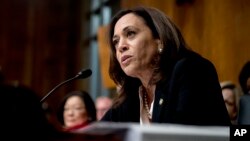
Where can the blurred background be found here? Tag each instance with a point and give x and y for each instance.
(45, 42)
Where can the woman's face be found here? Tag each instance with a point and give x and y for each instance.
(135, 46)
(74, 112)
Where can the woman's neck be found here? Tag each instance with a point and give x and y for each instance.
(150, 92)
(149, 79)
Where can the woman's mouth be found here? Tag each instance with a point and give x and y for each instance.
(125, 59)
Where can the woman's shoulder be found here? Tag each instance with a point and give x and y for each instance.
(193, 60)
(194, 64)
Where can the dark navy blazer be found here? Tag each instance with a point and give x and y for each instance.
(192, 95)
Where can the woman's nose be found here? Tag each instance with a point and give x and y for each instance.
(122, 46)
(70, 112)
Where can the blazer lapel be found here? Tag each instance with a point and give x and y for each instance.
(159, 103)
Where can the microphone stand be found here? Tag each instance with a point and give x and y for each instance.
(60, 84)
(81, 75)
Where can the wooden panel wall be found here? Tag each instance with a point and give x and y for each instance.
(217, 29)
(39, 44)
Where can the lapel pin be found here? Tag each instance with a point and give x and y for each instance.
(161, 101)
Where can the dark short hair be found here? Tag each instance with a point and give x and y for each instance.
(227, 85)
(243, 76)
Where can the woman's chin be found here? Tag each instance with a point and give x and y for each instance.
(130, 72)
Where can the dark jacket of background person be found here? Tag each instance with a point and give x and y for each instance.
(244, 103)
(244, 110)
(188, 93)
(22, 115)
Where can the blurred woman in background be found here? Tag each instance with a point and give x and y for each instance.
(77, 110)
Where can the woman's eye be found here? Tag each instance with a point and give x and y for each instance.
(115, 42)
(66, 109)
(130, 33)
(79, 108)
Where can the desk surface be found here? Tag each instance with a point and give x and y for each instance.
(158, 132)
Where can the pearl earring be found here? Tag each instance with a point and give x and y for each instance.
(160, 48)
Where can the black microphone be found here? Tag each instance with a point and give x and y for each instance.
(81, 75)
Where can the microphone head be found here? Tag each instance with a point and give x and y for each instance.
(84, 74)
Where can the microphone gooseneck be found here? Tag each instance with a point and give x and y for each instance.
(81, 75)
